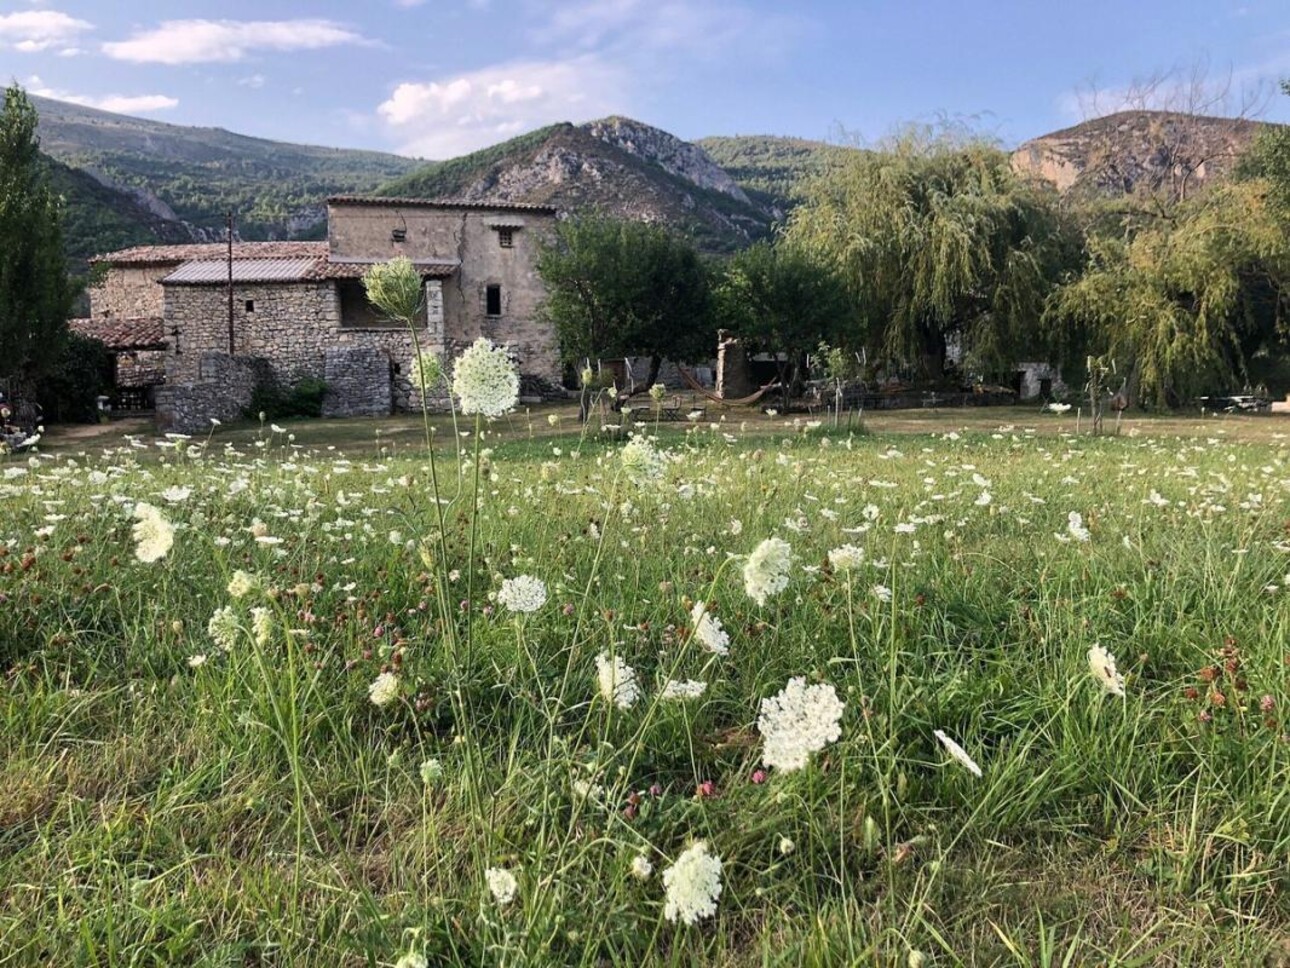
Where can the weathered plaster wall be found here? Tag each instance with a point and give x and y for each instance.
(129, 291)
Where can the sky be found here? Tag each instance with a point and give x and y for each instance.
(437, 78)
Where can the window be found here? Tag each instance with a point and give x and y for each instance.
(399, 235)
(250, 305)
(493, 301)
(506, 238)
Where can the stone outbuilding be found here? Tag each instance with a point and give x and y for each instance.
(288, 311)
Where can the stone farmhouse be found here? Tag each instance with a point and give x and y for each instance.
(203, 329)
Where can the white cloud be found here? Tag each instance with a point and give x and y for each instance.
(224, 41)
(451, 116)
(35, 30)
(119, 103)
(253, 81)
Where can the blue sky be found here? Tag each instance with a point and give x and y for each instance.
(436, 78)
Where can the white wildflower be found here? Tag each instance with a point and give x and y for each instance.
(484, 380)
(786, 846)
(677, 690)
(958, 752)
(881, 592)
(196, 661)
(261, 625)
(797, 722)
(223, 628)
(502, 884)
(431, 771)
(708, 630)
(523, 593)
(641, 461)
(617, 681)
(153, 534)
(693, 885)
(426, 370)
(242, 584)
(1075, 526)
(1101, 664)
(413, 959)
(766, 571)
(846, 558)
(641, 867)
(177, 494)
(384, 689)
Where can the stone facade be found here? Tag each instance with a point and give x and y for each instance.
(221, 389)
(358, 382)
(129, 291)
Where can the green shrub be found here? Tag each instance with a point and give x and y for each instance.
(303, 399)
(83, 372)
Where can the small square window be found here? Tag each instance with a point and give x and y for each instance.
(506, 238)
(250, 305)
(399, 235)
(493, 301)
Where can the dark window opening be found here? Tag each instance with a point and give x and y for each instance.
(506, 238)
(493, 301)
(250, 305)
(399, 235)
(355, 310)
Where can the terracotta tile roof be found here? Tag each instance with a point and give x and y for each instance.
(438, 269)
(135, 333)
(151, 255)
(448, 203)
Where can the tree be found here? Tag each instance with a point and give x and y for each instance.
(618, 288)
(35, 295)
(939, 241)
(778, 299)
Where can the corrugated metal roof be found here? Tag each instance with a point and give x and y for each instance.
(354, 268)
(203, 272)
(481, 206)
(163, 254)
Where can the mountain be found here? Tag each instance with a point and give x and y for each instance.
(771, 170)
(1137, 150)
(616, 165)
(192, 176)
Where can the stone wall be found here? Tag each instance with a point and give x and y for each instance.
(358, 382)
(127, 292)
(222, 389)
(1033, 378)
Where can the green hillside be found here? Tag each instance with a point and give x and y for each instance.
(772, 169)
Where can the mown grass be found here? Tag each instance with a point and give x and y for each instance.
(259, 809)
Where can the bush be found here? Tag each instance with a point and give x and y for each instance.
(83, 371)
(303, 399)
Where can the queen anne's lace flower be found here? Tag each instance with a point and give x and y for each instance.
(502, 884)
(1102, 664)
(958, 752)
(484, 380)
(797, 722)
(242, 584)
(617, 681)
(1075, 526)
(223, 628)
(523, 593)
(641, 460)
(708, 630)
(766, 571)
(261, 625)
(693, 885)
(427, 368)
(846, 558)
(384, 689)
(679, 689)
(153, 534)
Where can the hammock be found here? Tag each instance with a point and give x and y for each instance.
(698, 387)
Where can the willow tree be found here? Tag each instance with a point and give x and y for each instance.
(1185, 304)
(939, 241)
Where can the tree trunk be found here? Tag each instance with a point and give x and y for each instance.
(655, 362)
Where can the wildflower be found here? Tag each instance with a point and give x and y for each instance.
(553, 419)
(1075, 526)
(153, 534)
(523, 593)
(676, 689)
(196, 661)
(882, 593)
(215, 421)
(797, 722)
(786, 846)
(641, 461)
(846, 558)
(242, 584)
(641, 867)
(261, 625)
(708, 630)
(426, 371)
(413, 959)
(177, 494)
(431, 771)
(383, 689)
(502, 884)
(958, 752)
(693, 885)
(766, 571)
(759, 777)
(617, 681)
(484, 380)
(1058, 408)
(223, 628)
(1101, 664)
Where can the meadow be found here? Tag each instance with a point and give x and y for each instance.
(707, 693)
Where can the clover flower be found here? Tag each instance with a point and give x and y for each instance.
(693, 885)
(523, 593)
(484, 380)
(846, 558)
(797, 722)
(384, 689)
(502, 885)
(154, 536)
(223, 628)
(1101, 664)
(958, 752)
(641, 461)
(617, 681)
(708, 630)
(242, 584)
(766, 571)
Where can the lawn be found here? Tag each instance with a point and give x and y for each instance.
(334, 722)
